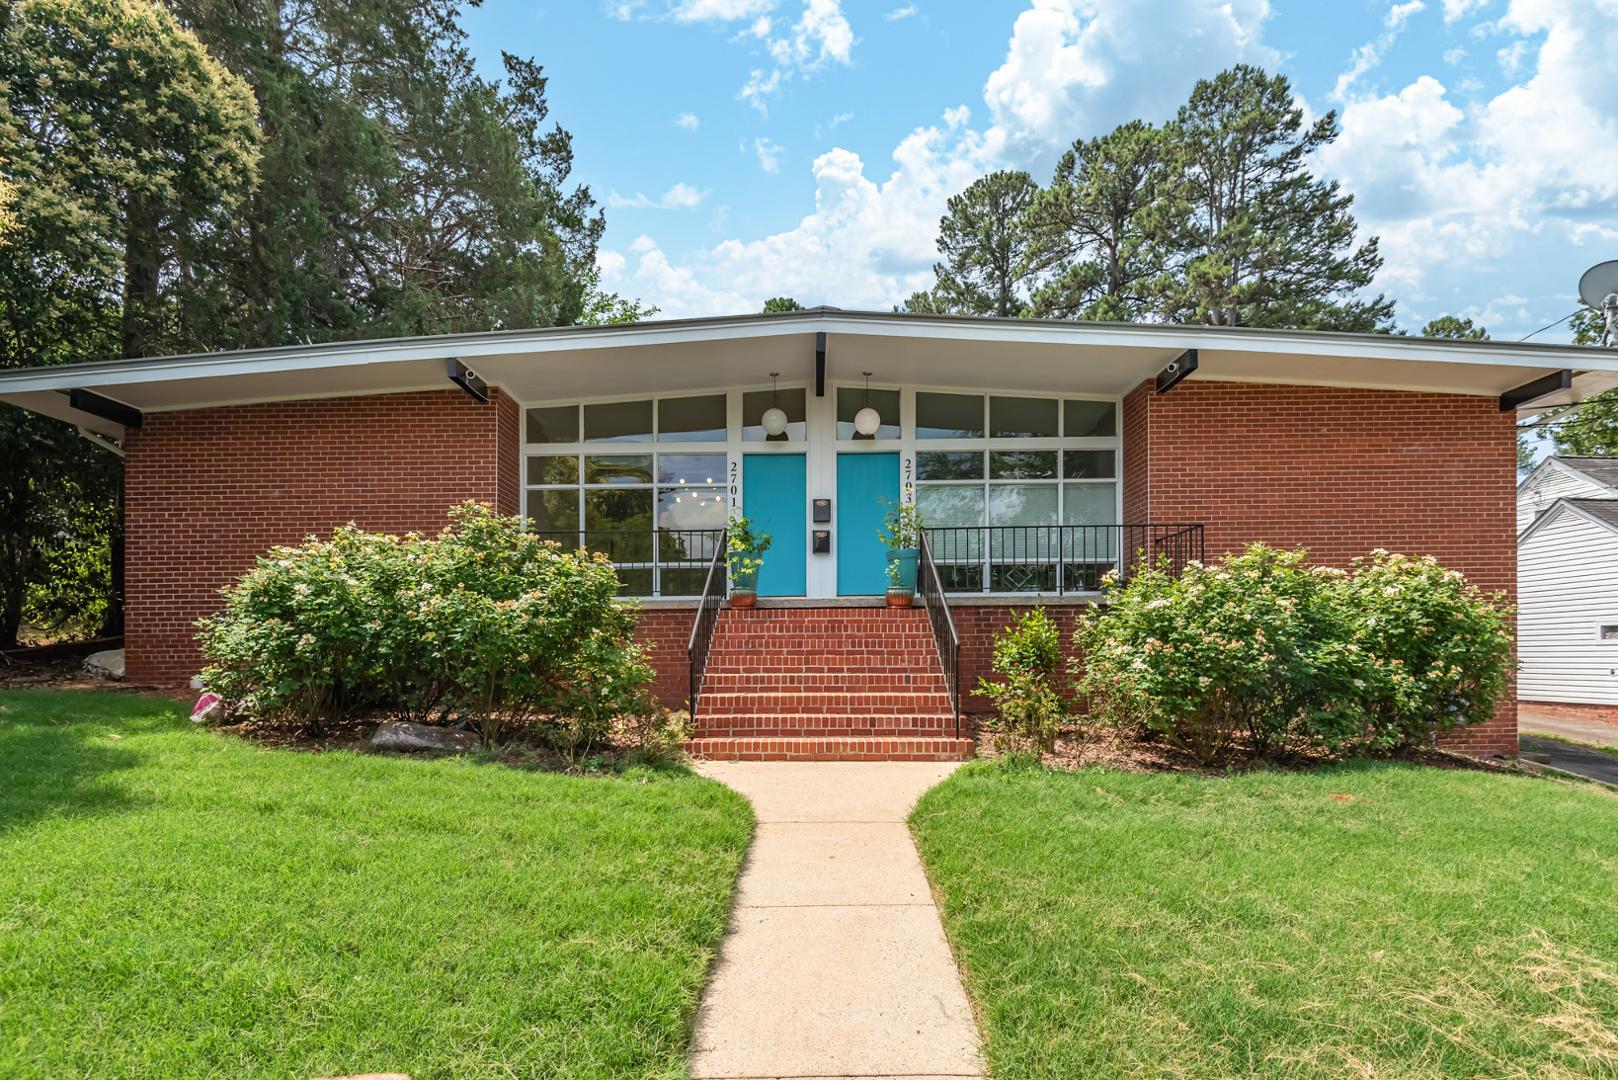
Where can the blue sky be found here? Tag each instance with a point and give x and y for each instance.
(749, 148)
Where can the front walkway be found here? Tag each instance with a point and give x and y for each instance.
(836, 963)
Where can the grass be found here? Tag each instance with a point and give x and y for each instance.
(179, 903)
(1369, 920)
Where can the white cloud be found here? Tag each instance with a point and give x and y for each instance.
(1079, 67)
(821, 35)
(901, 13)
(768, 152)
(1399, 14)
(681, 196)
(1512, 56)
(718, 10)
(1369, 55)
(1455, 56)
(688, 121)
(1455, 9)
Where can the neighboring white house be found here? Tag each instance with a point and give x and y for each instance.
(1567, 582)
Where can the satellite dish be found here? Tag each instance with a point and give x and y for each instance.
(1599, 284)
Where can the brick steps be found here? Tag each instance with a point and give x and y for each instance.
(883, 748)
(825, 684)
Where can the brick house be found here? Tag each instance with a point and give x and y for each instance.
(1039, 453)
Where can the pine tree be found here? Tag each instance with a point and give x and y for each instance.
(1260, 240)
(985, 244)
(1097, 233)
(1454, 326)
(777, 304)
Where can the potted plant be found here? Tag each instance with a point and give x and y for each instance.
(901, 531)
(744, 555)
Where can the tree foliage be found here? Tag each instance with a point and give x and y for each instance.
(985, 244)
(1454, 326)
(778, 304)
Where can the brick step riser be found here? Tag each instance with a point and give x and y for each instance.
(837, 682)
(753, 706)
(829, 643)
(832, 749)
(763, 656)
(824, 726)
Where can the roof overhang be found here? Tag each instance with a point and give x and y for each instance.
(1557, 508)
(698, 354)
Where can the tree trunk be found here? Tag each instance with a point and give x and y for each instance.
(141, 262)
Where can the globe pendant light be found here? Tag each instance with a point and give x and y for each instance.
(774, 420)
(867, 421)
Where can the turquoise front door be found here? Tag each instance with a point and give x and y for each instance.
(867, 490)
(775, 497)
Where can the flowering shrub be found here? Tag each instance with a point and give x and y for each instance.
(1438, 650)
(1028, 707)
(1249, 650)
(1264, 653)
(484, 625)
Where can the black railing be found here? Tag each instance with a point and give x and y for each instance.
(665, 562)
(1053, 558)
(945, 638)
(702, 628)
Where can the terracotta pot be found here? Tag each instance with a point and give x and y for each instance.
(743, 598)
(900, 597)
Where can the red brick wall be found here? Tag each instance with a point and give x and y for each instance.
(1137, 456)
(208, 490)
(1339, 471)
(978, 624)
(508, 454)
(665, 633)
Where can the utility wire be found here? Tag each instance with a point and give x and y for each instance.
(1558, 322)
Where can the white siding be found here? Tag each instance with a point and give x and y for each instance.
(1554, 483)
(1567, 584)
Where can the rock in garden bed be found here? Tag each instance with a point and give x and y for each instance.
(401, 736)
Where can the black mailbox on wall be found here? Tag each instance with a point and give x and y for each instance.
(822, 541)
(822, 511)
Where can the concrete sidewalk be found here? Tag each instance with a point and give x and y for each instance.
(836, 963)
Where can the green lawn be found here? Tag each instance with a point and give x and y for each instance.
(176, 903)
(1367, 921)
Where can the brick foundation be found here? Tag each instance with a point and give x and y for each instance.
(1572, 710)
(208, 491)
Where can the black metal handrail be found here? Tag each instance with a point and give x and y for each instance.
(702, 628)
(658, 550)
(945, 638)
(1054, 558)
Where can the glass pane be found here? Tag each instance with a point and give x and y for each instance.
(1090, 420)
(1022, 577)
(1022, 418)
(691, 468)
(691, 419)
(755, 402)
(618, 469)
(1022, 465)
(966, 577)
(1089, 504)
(620, 524)
(635, 582)
(954, 517)
(695, 548)
(941, 504)
(1089, 465)
(851, 399)
(949, 416)
(618, 421)
(553, 469)
(682, 582)
(949, 465)
(691, 508)
(560, 424)
(555, 515)
(1022, 504)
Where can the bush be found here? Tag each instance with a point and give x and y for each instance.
(1263, 653)
(1437, 649)
(484, 625)
(1028, 706)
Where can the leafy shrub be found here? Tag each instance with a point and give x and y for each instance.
(1028, 706)
(1250, 650)
(484, 625)
(1437, 649)
(1264, 653)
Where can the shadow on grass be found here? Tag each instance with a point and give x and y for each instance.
(58, 759)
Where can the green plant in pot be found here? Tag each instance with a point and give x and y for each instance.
(901, 531)
(744, 555)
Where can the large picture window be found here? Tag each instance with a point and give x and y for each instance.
(1018, 491)
(657, 511)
